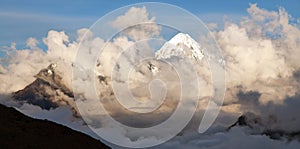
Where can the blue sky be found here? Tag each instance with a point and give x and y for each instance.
(34, 18)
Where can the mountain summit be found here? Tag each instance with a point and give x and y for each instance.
(259, 125)
(47, 91)
(179, 46)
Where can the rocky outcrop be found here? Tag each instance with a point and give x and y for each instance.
(47, 91)
(257, 125)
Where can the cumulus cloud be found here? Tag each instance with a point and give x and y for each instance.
(260, 54)
(261, 66)
(31, 42)
(212, 26)
(22, 64)
(140, 26)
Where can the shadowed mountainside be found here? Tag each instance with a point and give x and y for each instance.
(255, 123)
(20, 131)
(47, 91)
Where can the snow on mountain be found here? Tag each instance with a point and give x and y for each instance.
(180, 45)
(152, 68)
(47, 91)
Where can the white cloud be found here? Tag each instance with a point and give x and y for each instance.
(32, 42)
(260, 55)
(258, 61)
(137, 24)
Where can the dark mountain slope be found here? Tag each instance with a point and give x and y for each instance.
(20, 131)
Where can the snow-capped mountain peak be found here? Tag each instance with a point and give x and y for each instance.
(47, 91)
(152, 68)
(180, 45)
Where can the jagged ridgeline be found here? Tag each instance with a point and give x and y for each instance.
(47, 91)
(265, 126)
